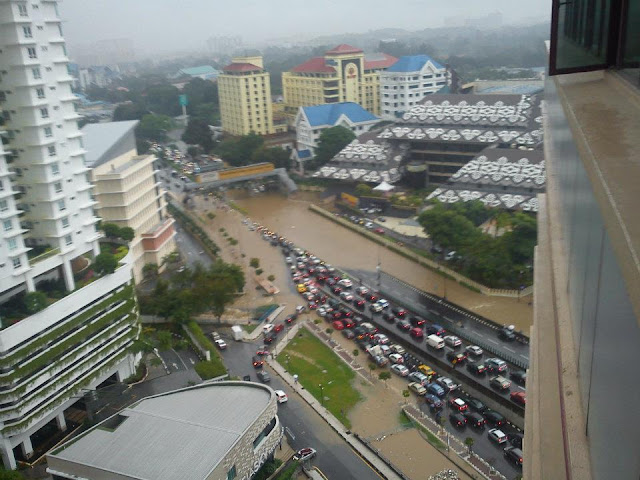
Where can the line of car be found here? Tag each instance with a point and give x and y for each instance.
(313, 277)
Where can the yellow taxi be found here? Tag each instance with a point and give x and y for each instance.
(302, 288)
(426, 369)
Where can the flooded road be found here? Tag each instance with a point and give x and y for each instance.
(346, 249)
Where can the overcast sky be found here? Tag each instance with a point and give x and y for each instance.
(161, 25)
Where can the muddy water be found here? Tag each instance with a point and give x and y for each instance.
(344, 248)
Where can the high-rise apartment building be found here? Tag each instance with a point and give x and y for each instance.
(408, 81)
(62, 331)
(244, 93)
(582, 389)
(344, 74)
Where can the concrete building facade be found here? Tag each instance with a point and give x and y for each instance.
(52, 350)
(244, 92)
(408, 81)
(223, 429)
(128, 192)
(343, 74)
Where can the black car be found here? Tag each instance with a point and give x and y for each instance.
(333, 303)
(399, 312)
(403, 325)
(263, 376)
(291, 318)
(257, 361)
(457, 420)
(269, 338)
(475, 420)
(456, 358)
(514, 455)
(518, 376)
(357, 319)
(475, 404)
(359, 303)
(477, 368)
(348, 334)
(494, 418)
(506, 334)
(388, 317)
(417, 321)
(515, 439)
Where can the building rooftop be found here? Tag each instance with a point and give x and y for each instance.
(329, 114)
(177, 435)
(241, 67)
(99, 138)
(412, 63)
(200, 70)
(374, 61)
(342, 49)
(314, 65)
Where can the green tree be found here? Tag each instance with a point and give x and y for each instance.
(198, 133)
(164, 339)
(111, 230)
(199, 92)
(239, 150)
(163, 100)
(448, 228)
(129, 111)
(469, 443)
(153, 128)
(10, 475)
(105, 263)
(127, 233)
(363, 190)
(278, 156)
(355, 352)
(384, 376)
(331, 141)
(34, 302)
(150, 270)
(406, 394)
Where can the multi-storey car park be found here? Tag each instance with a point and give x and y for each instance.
(51, 349)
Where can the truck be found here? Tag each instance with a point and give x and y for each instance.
(374, 351)
(237, 332)
(434, 341)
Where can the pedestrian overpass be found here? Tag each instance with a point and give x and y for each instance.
(211, 180)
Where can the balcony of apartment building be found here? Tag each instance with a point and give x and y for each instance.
(154, 239)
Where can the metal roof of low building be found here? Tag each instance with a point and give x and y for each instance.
(177, 435)
(413, 63)
(98, 139)
(329, 114)
(199, 70)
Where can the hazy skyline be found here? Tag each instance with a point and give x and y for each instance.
(163, 25)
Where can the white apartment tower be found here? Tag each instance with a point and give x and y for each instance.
(50, 352)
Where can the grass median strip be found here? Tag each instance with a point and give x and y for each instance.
(316, 364)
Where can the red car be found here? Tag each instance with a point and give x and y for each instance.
(338, 325)
(371, 298)
(348, 323)
(291, 318)
(337, 315)
(458, 404)
(417, 333)
(519, 397)
(336, 290)
(262, 352)
(359, 303)
(379, 230)
(313, 305)
(278, 328)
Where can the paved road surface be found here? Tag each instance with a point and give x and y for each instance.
(335, 458)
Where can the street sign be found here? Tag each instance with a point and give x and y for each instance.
(183, 100)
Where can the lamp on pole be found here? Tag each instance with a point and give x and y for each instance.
(288, 358)
(321, 394)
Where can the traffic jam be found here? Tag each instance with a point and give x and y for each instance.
(358, 312)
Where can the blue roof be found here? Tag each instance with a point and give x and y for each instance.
(304, 153)
(201, 70)
(412, 63)
(330, 113)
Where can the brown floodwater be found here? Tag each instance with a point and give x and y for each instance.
(291, 217)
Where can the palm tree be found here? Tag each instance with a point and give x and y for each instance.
(469, 443)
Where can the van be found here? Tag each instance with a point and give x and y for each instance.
(369, 328)
(435, 341)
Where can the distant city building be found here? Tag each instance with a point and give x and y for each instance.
(223, 44)
(205, 72)
(343, 74)
(311, 121)
(110, 51)
(507, 178)
(127, 191)
(407, 82)
(100, 76)
(244, 93)
(82, 325)
(218, 430)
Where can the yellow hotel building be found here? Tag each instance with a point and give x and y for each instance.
(344, 74)
(245, 97)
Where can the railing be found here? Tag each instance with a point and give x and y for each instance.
(44, 256)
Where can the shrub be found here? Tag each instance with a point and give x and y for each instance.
(259, 271)
(105, 263)
(211, 215)
(111, 230)
(208, 370)
(254, 262)
(121, 252)
(271, 278)
(34, 302)
(127, 233)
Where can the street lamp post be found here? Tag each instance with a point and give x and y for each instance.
(321, 394)
(288, 366)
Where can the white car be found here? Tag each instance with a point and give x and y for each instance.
(383, 303)
(221, 344)
(496, 364)
(474, 350)
(418, 388)
(400, 370)
(281, 396)
(321, 311)
(396, 358)
(362, 291)
(452, 341)
(450, 256)
(376, 308)
(386, 351)
(304, 454)
(381, 338)
(346, 296)
(300, 308)
(497, 436)
(289, 260)
(346, 283)
(446, 383)
(398, 349)
(267, 328)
